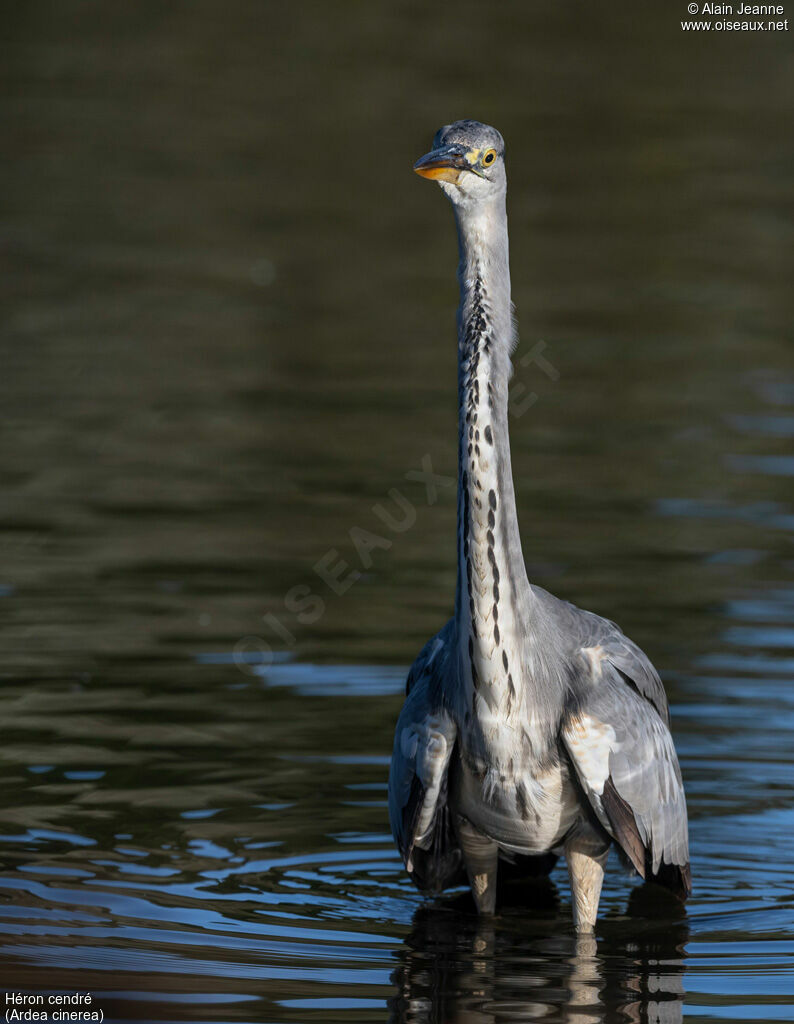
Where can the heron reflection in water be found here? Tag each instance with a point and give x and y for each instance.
(458, 969)
(530, 728)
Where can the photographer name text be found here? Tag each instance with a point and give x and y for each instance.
(752, 16)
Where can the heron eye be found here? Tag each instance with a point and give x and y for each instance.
(489, 158)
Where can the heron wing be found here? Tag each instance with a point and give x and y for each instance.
(423, 744)
(635, 668)
(606, 640)
(621, 747)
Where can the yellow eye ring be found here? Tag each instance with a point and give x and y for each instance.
(489, 158)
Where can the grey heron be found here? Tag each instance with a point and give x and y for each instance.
(531, 728)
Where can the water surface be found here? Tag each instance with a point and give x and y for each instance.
(228, 335)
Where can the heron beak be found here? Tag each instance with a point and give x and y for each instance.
(446, 163)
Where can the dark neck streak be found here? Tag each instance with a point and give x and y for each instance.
(492, 590)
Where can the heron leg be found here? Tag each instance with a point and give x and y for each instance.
(586, 857)
(481, 856)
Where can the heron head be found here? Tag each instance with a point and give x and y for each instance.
(467, 160)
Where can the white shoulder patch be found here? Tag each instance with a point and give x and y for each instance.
(594, 656)
(591, 742)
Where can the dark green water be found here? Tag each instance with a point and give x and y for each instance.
(227, 333)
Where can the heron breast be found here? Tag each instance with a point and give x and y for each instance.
(526, 812)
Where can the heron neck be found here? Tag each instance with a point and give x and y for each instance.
(492, 590)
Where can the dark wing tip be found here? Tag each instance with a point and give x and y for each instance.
(675, 877)
(410, 817)
(624, 823)
(438, 863)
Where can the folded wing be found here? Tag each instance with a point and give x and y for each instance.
(423, 745)
(618, 739)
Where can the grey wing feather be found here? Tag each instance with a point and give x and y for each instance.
(593, 631)
(636, 669)
(625, 760)
(618, 736)
(424, 741)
